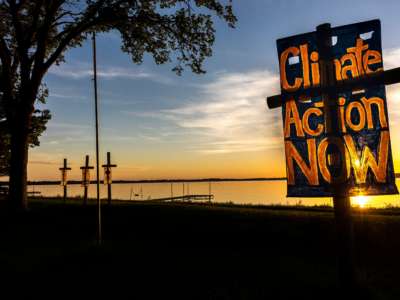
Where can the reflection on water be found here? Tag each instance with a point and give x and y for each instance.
(238, 192)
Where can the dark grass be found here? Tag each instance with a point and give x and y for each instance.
(192, 251)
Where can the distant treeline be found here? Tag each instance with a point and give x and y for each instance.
(55, 182)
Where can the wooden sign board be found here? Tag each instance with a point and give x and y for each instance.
(85, 177)
(359, 155)
(64, 180)
(107, 175)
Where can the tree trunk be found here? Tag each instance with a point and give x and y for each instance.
(19, 160)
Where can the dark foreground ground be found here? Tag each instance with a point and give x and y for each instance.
(188, 251)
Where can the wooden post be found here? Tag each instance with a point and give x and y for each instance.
(209, 191)
(86, 178)
(85, 194)
(64, 170)
(65, 194)
(85, 185)
(107, 177)
(65, 186)
(341, 203)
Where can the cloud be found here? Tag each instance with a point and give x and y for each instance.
(227, 115)
(38, 162)
(59, 133)
(70, 126)
(147, 114)
(231, 112)
(244, 145)
(68, 97)
(391, 58)
(79, 70)
(44, 158)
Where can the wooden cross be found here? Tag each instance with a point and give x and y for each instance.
(64, 180)
(107, 176)
(86, 178)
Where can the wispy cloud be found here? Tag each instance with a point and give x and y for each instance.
(391, 59)
(70, 126)
(79, 70)
(44, 158)
(68, 97)
(244, 145)
(59, 133)
(39, 162)
(230, 113)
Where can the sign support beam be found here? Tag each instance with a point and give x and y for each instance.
(388, 77)
(341, 204)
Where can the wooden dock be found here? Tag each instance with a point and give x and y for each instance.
(184, 198)
(33, 193)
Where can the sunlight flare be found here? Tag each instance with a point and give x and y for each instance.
(359, 200)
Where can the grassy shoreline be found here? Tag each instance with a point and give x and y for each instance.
(196, 251)
(389, 210)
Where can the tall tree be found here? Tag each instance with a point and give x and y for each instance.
(38, 126)
(35, 34)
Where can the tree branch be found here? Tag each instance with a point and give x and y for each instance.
(14, 8)
(5, 57)
(38, 71)
(35, 16)
(85, 23)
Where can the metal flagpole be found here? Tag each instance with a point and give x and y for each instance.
(99, 236)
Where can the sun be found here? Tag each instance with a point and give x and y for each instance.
(360, 200)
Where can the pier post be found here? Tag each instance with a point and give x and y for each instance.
(209, 191)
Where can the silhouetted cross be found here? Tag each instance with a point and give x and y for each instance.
(64, 170)
(85, 172)
(107, 169)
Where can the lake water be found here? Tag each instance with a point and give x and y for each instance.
(238, 192)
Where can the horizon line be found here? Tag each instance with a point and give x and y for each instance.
(33, 182)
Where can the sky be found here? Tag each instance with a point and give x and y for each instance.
(160, 125)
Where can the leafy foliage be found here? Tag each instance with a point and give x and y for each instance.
(37, 127)
(34, 35)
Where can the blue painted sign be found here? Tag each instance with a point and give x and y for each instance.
(358, 158)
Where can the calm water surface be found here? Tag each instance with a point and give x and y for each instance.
(238, 192)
